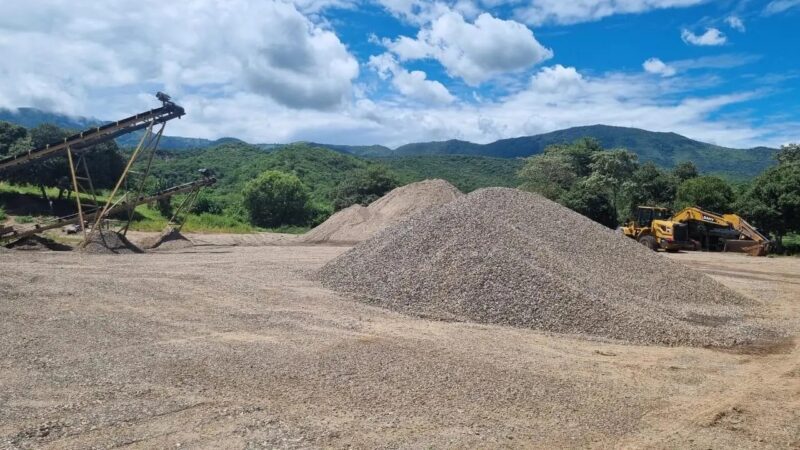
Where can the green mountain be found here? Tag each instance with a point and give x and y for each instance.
(664, 149)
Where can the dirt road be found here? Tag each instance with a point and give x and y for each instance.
(238, 347)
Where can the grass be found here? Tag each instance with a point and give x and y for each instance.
(791, 244)
(152, 220)
(25, 219)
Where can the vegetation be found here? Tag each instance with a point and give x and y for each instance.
(708, 192)
(467, 173)
(276, 198)
(773, 200)
(364, 187)
(608, 185)
(2, 213)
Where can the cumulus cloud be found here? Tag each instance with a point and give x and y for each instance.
(779, 6)
(658, 67)
(574, 11)
(736, 23)
(267, 47)
(413, 84)
(474, 52)
(711, 37)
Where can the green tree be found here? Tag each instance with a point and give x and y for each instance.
(773, 201)
(789, 153)
(550, 175)
(610, 171)
(10, 138)
(685, 171)
(707, 192)
(591, 203)
(364, 187)
(276, 198)
(649, 186)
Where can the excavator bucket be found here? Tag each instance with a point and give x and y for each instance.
(748, 246)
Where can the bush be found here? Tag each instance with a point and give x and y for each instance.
(275, 199)
(2, 213)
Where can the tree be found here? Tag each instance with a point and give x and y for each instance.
(10, 138)
(707, 192)
(685, 171)
(550, 175)
(773, 201)
(610, 171)
(649, 186)
(788, 154)
(591, 203)
(364, 187)
(275, 199)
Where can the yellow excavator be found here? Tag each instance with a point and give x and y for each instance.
(693, 228)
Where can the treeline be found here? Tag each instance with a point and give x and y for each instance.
(104, 160)
(608, 185)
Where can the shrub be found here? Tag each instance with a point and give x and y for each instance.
(275, 199)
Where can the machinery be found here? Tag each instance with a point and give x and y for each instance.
(128, 190)
(693, 228)
(653, 228)
(722, 232)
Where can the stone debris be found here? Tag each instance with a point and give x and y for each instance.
(109, 242)
(358, 223)
(503, 256)
(170, 239)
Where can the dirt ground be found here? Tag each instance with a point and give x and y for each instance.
(233, 344)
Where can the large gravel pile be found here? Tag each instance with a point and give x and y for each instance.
(504, 256)
(109, 242)
(358, 223)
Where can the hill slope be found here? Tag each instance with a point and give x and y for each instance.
(664, 149)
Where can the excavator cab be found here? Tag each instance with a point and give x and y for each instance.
(653, 228)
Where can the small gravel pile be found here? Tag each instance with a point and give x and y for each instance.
(38, 244)
(109, 242)
(170, 239)
(504, 256)
(358, 223)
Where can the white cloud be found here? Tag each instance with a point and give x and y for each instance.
(779, 6)
(711, 37)
(574, 11)
(414, 84)
(265, 47)
(658, 67)
(475, 51)
(736, 23)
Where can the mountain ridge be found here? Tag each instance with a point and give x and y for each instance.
(665, 149)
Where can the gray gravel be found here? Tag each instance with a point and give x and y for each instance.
(504, 256)
(109, 242)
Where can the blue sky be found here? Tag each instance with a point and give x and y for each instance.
(396, 71)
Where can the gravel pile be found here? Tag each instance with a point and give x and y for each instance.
(109, 242)
(170, 239)
(503, 256)
(38, 243)
(358, 223)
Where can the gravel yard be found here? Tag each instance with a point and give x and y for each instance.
(239, 347)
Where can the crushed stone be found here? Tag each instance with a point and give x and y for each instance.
(357, 223)
(503, 256)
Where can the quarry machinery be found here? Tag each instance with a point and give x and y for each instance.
(722, 232)
(652, 227)
(693, 228)
(128, 190)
